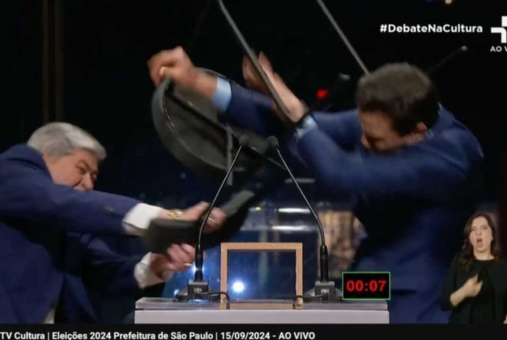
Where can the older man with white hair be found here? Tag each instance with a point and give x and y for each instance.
(50, 224)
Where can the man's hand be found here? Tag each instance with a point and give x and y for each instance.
(178, 258)
(177, 66)
(197, 213)
(254, 81)
(174, 64)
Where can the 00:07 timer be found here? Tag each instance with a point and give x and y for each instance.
(360, 285)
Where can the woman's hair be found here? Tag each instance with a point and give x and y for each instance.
(466, 256)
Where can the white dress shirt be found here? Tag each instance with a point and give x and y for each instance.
(135, 223)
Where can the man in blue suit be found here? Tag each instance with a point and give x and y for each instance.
(410, 169)
(50, 224)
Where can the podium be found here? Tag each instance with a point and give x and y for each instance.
(166, 311)
(225, 311)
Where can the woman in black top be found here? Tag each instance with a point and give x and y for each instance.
(476, 286)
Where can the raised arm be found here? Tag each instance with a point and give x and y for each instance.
(343, 127)
(248, 109)
(253, 110)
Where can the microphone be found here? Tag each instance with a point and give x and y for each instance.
(198, 287)
(324, 290)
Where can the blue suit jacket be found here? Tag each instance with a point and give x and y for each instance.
(413, 202)
(49, 251)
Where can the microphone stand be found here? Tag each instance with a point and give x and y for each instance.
(324, 290)
(199, 288)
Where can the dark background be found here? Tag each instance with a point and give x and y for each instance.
(106, 88)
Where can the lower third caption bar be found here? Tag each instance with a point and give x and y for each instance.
(263, 335)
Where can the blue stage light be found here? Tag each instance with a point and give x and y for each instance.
(238, 287)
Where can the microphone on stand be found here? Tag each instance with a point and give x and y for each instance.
(198, 288)
(324, 289)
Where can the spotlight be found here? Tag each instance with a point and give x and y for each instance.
(238, 287)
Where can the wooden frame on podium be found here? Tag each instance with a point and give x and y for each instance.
(258, 247)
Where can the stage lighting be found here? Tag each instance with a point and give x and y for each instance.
(238, 287)
(321, 93)
(194, 269)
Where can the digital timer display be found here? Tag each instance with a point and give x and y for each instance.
(366, 285)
